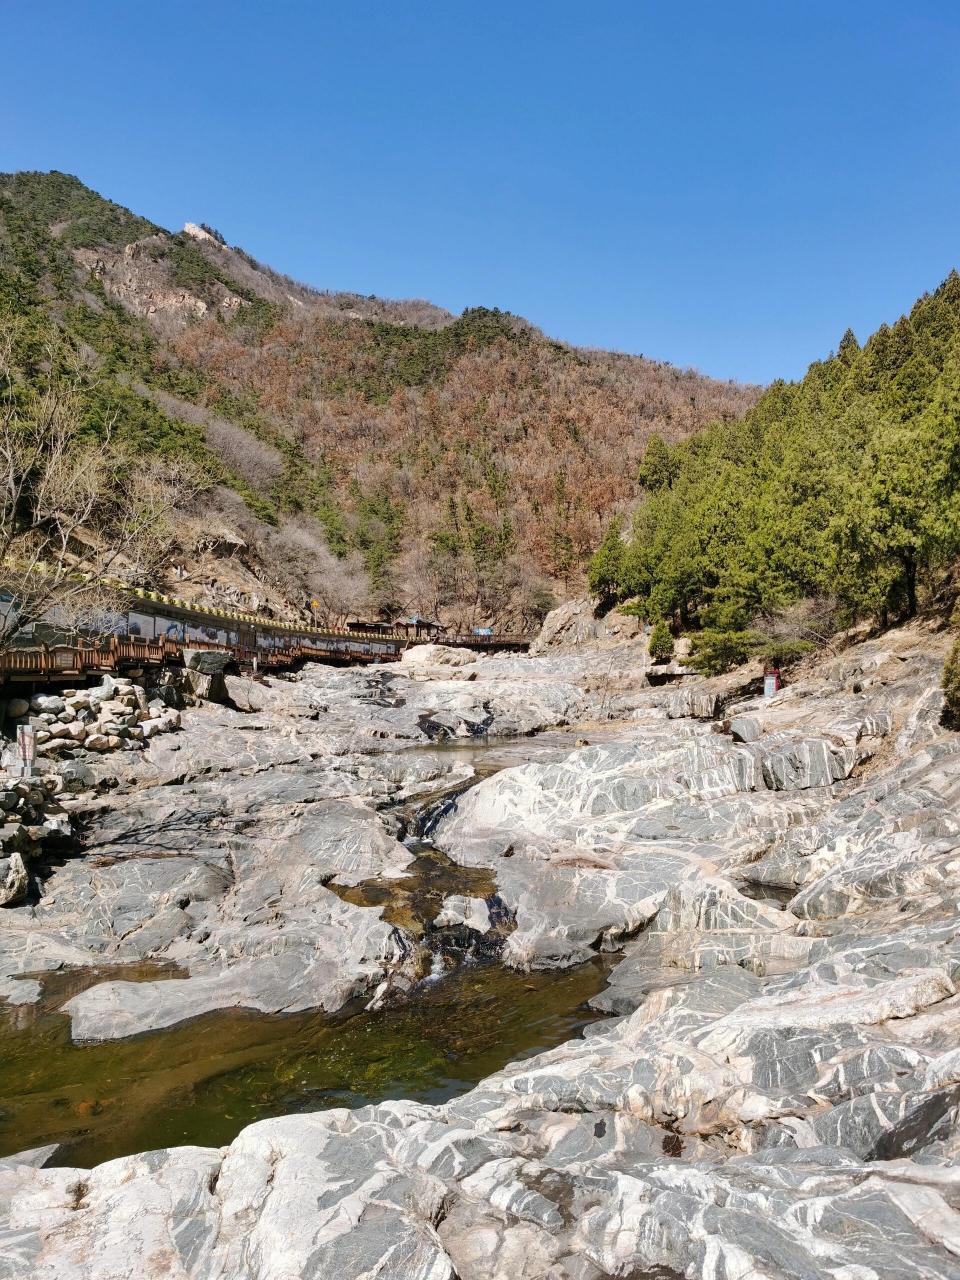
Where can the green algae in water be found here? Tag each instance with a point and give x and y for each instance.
(203, 1081)
(412, 901)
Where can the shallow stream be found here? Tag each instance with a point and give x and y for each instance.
(204, 1080)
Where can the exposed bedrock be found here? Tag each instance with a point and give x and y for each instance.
(222, 847)
(778, 1097)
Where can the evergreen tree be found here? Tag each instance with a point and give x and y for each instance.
(843, 485)
(661, 643)
(849, 348)
(659, 465)
(605, 576)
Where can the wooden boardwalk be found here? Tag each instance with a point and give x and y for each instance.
(175, 626)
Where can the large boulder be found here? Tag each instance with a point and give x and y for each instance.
(571, 624)
(76, 776)
(205, 672)
(436, 662)
(209, 662)
(575, 623)
(15, 881)
(471, 912)
(48, 702)
(437, 655)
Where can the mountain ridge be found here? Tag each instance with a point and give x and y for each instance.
(376, 455)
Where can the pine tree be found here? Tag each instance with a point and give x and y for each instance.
(605, 571)
(659, 465)
(849, 348)
(661, 643)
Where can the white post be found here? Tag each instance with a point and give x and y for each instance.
(26, 749)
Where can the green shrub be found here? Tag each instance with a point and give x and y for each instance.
(634, 609)
(605, 571)
(714, 652)
(951, 685)
(661, 643)
(784, 653)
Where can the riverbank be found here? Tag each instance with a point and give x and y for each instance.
(776, 881)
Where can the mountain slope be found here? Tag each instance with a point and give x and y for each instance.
(367, 453)
(843, 487)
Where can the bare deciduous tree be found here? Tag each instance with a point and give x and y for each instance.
(812, 621)
(496, 428)
(80, 516)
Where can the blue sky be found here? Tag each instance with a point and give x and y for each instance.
(727, 185)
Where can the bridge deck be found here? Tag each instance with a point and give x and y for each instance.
(61, 663)
(154, 630)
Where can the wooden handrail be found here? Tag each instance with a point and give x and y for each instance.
(89, 656)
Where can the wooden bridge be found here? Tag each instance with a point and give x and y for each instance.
(156, 631)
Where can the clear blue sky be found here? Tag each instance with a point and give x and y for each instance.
(727, 185)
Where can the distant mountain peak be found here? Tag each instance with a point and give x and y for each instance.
(200, 231)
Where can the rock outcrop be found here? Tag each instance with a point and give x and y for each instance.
(575, 624)
(224, 846)
(137, 277)
(777, 1093)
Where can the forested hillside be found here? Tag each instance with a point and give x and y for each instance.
(372, 455)
(834, 498)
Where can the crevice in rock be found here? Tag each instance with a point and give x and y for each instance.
(78, 1194)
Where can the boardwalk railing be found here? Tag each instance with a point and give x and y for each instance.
(125, 653)
(153, 630)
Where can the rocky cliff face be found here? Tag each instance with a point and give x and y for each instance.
(142, 284)
(778, 1091)
(576, 623)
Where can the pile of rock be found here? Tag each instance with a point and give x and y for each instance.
(115, 714)
(31, 813)
(71, 726)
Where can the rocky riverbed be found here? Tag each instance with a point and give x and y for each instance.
(775, 881)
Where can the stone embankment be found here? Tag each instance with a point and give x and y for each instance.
(72, 729)
(32, 814)
(116, 714)
(777, 1093)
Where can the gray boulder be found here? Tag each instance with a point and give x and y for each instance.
(204, 672)
(745, 729)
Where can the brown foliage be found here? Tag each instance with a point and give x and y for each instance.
(538, 434)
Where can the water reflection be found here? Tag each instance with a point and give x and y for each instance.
(202, 1081)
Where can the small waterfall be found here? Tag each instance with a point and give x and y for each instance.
(437, 968)
(430, 817)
